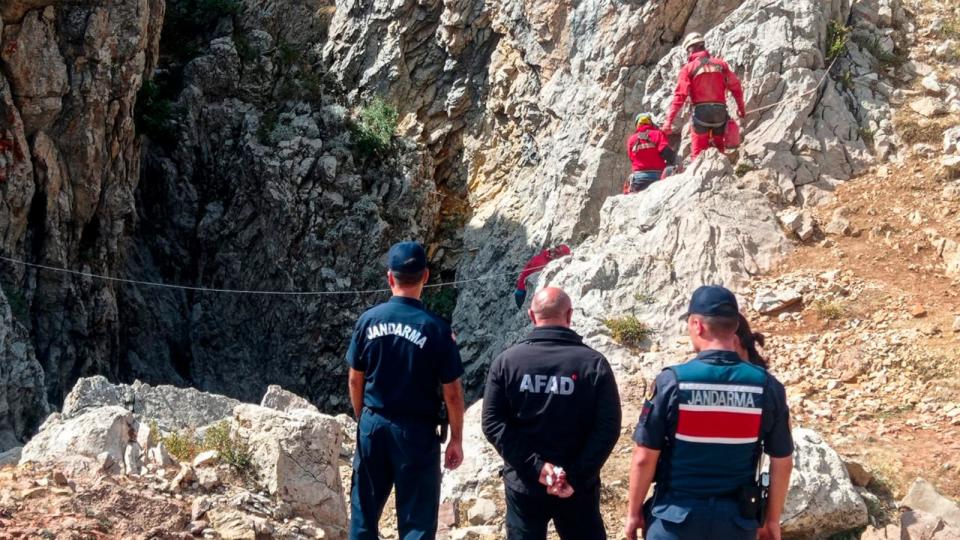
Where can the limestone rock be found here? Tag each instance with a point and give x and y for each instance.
(348, 431)
(207, 458)
(482, 512)
(859, 474)
(799, 222)
(78, 442)
(23, 403)
(481, 466)
(929, 107)
(171, 407)
(821, 499)
(11, 456)
(133, 464)
(923, 497)
(917, 525)
(839, 224)
(931, 84)
(951, 163)
(295, 457)
(70, 152)
(282, 400)
(207, 478)
(772, 302)
(951, 140)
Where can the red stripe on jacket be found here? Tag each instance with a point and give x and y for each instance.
(718, 424)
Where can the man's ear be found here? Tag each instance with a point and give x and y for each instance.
(426, 276)
(533, 317)
(390, 280)
(569, 316)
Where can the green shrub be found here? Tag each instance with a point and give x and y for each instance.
(268, 122)
(867, 135)
(155, 115)
(628, 331)
(643, 298)
(847, 80)
(441, 300)
(375, 127)
(829, 311)
(837, 35)
(743, 168)
(233, 450)
(951, 28)
(183, 445)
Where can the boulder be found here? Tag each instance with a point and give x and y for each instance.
(207, 458)
(171, 407)
(917, 525)
(772, 302)
(929, 107)
(951, 140)
(821, 501)
(479, 475)
(348, 434)
(80, 442)
(11, 456)
(282, 400)
(799, 222)
(923, 497)
(839, 224)
(482, 512)
(295, 456)
(859, 474)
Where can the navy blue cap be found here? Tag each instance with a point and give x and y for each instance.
(713, 301)
(406, 257)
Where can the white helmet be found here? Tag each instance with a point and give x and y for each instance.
(691, 40)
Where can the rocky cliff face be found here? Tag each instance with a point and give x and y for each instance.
(263, 187)
(513, 115)
(69, 164)
(23, 402)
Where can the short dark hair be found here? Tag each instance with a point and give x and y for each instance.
(408, 278)
(717, 324)
(696, 47)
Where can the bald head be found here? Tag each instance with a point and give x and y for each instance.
(551, 307)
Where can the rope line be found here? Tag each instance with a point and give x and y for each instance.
(797, 97)
(241, 291)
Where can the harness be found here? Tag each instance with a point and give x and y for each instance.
(708, 64)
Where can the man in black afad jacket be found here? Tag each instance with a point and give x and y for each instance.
(552, 410)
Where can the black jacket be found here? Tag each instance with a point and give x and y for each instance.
(553, 399)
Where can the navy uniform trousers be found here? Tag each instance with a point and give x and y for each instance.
(714, 518)
(405, 454)
(575, 518)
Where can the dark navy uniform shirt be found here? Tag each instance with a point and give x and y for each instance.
(405, 353)
(658, 425)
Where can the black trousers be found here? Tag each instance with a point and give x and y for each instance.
(575, 518)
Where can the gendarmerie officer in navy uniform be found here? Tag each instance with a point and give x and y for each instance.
(551, 403)
(400, 356)
(701, 434)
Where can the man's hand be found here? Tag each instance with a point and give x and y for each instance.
(741, 113)
(634, 524)
(561, 489)
(547, 474)
(770, 531)
(453, 456)
(555, 479)
(667, 131)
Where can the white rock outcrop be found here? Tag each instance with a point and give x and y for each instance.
(822, 501)
(295, 457)
(81, 443)
(171, 407)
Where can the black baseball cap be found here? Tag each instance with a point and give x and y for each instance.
(713, 301)
(406, 257)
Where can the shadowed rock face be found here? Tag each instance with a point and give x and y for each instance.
(23, 403)
(69, 163)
